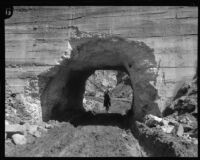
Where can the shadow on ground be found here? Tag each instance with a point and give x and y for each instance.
(103, 119)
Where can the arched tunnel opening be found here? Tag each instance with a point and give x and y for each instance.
(120, 92)
(62, 96)
(75, 92)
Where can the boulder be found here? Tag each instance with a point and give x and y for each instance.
(167, 128)
(48, 126)
(37, 134)
(152, 121)
(19, 139)
(183, 120)
(14, 128)
(194, 140)
(84, 100)
(180, 130)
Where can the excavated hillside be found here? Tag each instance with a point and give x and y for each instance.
(60, 60)
(97, 133)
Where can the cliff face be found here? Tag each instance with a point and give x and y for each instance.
(40, 34)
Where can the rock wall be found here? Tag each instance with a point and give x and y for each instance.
(36, 37)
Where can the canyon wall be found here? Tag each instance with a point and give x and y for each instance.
(36, 37)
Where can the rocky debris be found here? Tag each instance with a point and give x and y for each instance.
(19, 139)
(54, 123)
(180, 130)
(93, 105)
(85, 141)
(152, 121)
(187, 89)
(27, 131)
(14, 108)
(188, 122)
(195, 141)
(184, 105)
(48, 126)
(181, 115)
(32, 88)
(169, 126)
(164, 144)
(31, 129)
(185, 100)
(20, 107)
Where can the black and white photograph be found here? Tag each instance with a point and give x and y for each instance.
(101, 81)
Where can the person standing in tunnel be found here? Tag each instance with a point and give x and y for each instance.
(107, 103)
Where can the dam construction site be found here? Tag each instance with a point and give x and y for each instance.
(62, 62)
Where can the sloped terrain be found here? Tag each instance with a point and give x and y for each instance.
(176, 133)
(101, 135)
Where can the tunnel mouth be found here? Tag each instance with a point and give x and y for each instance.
(63, 92)
(120, 91)
(121, 102)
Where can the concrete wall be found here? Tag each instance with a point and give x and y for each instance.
(40, 34)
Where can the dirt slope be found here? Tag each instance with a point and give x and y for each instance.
(84, 141)
(87, 135)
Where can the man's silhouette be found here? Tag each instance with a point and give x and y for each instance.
(107, 100)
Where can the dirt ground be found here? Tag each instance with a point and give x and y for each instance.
(100, 135)
(84, 141)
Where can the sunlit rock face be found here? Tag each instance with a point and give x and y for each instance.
(101, 80)
(37, 37)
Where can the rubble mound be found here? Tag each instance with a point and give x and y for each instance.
(176, 133)
(159, 143)
(185, 101)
